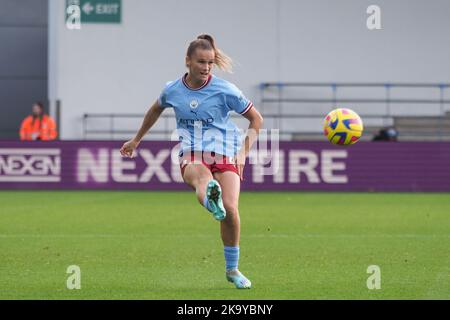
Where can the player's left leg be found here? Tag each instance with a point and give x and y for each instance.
(230, 227)
(197, 174)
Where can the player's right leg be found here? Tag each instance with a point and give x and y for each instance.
(208, 191)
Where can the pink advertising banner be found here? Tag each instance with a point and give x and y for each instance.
(293, 166)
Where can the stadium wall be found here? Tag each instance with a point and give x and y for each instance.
(23, 61)
(118, 68)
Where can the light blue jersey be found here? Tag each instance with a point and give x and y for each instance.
(203, 114)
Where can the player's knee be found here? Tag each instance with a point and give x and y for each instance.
(231, 209)
(201, 182)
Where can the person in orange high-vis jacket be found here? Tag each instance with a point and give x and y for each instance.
(38, 126)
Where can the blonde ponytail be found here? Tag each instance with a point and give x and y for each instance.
(206, 42)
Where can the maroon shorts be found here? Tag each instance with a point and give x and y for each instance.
(213, 161)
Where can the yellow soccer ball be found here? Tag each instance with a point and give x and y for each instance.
(343, 126)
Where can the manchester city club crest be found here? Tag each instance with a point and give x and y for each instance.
(194, 104)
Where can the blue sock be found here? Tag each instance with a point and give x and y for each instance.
(231, 257)
(206, 203)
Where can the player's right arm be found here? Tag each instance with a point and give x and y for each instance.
(150, 118)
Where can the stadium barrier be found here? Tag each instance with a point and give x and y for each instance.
(419, 111)
(380, 105)
(293, 166)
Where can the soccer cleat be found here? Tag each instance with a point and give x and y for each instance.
(214, 195)
(239, 280)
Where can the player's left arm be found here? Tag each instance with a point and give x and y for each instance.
(256, 122)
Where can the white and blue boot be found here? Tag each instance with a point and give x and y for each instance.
(239, 280)
(214, 196)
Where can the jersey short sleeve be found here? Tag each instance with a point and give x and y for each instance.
(162, 99)
(236, 100)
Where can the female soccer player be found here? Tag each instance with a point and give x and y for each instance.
(212, 155)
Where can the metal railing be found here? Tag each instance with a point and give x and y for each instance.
(279, 99)
(112, 130)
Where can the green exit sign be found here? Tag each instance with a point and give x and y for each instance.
(95, 11)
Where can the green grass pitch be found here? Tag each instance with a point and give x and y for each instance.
(163, 245)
